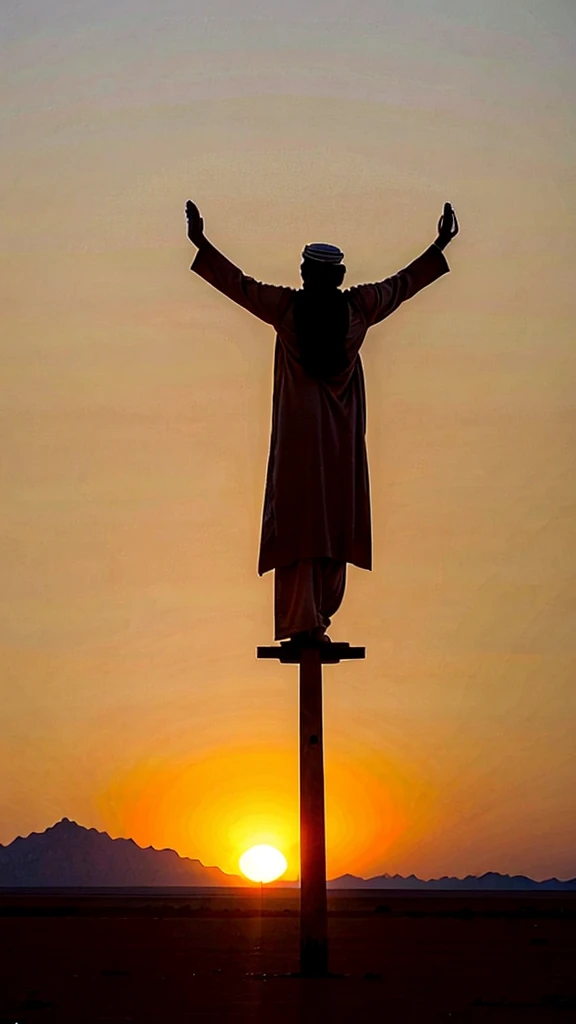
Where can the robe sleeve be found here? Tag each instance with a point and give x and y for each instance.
(266, 301)
(378, 300)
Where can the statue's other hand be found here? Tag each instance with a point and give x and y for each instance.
(448, 226)
(195, 223)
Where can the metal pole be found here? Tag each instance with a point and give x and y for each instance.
(313, 903)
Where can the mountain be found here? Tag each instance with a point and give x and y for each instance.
(68, 854)
(490, 882)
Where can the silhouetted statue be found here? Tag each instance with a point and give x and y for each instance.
(317, 501)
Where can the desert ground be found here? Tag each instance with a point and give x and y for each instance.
(230, 955)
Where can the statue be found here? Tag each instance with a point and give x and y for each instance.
(316, 516)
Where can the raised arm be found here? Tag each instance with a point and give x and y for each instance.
(266, 301)
(379, 300)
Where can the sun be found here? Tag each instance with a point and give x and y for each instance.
(263, 863)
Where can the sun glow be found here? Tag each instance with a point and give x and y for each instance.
(263, 863)
(249, 796)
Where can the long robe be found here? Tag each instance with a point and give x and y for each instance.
(317, 496)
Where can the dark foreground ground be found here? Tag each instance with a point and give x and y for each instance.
(216, 955)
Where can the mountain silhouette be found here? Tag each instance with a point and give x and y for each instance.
(492, 881)
(67, 854)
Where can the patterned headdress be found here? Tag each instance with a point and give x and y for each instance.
(323, 253)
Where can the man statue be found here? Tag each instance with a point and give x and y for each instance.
(316, 515)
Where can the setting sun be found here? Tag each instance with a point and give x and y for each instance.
(263, 863)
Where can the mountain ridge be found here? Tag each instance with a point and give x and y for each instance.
(67, 854)
(490, 881)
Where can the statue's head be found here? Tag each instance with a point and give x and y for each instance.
(322, 268)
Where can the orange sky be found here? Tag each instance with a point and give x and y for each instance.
(136, 414)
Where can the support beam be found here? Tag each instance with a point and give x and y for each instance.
(313, 897)
(313, 901)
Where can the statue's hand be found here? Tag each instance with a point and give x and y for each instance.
(195, 223)
(448, 226)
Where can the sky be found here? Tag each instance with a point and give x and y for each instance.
(136, 413)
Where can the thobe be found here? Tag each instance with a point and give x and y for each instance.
(317, 496)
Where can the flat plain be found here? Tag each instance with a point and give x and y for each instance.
(175, 956)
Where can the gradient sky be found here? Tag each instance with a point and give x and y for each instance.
(136, 411)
